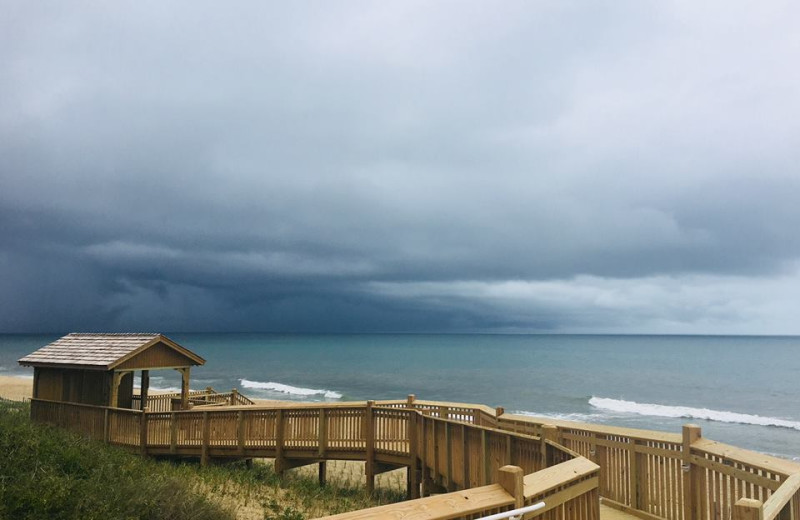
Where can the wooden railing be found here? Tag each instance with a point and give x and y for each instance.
(453, 447)
(207, 397)
(672, 476)
(117, 426)
(441, 453)
(569, 490)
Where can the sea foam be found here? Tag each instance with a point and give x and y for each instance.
(660, 410)
(289, 390)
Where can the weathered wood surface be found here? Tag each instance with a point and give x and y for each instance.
(569, 491)
(483, 500)
(112, 350)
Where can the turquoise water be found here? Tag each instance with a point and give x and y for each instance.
(740, 390)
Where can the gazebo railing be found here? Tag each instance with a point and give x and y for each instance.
(207, 397)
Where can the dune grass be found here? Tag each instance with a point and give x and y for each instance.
(46, 472)
(49, 473)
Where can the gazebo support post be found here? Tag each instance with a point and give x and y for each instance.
(116, 378)
(145, 388)
(184, 387)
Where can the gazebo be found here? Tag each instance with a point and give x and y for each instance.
(97, 369)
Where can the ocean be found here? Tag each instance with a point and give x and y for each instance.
(742, 390)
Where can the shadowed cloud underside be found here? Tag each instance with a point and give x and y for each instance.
(372, 166)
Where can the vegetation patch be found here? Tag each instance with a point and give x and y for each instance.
(47, 472)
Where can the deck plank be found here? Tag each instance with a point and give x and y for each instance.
(609, 513)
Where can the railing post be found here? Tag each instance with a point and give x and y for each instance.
(240, 431)
(465, 454)
(448, 456)
(499, 411)
(280, 462)
(206, 440)
(369, 467)
(410, 400)
(143, 432)
(549, 433)
(106, 426)
(322, 446)
(633, 475)
(424, 491)
(485, 457)
(691, 433)
(323, 432)
(413, 472)
(748, 509)
(510, 478)
(173, 433)
(434, 474)
(234, 396)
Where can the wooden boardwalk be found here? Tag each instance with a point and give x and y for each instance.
(609, 513)
(486, 460)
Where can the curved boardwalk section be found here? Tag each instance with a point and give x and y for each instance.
(467, 461)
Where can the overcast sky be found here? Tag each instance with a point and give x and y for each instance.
(622, 166)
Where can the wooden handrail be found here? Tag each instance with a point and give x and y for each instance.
(633, 433)
(775, 465)
(576, 479)
(789, 490)
(83, 405)
(441, 507)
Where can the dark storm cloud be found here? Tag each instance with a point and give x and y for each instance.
(410, 166)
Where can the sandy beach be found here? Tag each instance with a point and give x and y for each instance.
(19, 388)
(16, 388)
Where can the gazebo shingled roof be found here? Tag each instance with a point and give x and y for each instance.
(99, 351)
(98, 369)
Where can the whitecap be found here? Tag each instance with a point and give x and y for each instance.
(687, 412)
(289, 390)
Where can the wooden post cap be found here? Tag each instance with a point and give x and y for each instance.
(550, 432)
(748, 509)
(411, 399)
(499, 411)
(511, 479)
(693, 431)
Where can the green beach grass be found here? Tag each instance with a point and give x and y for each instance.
(46, 472)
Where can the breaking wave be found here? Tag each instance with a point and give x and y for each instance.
(289, 390)
(660, 410)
